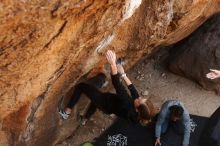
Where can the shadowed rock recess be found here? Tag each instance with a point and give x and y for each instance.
(195, 55)
(46, 46)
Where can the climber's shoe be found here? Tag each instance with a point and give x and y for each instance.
(63, 114)
(82, 120)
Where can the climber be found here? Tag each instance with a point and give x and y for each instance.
(214, 74)
(173, 115)
(132, 108)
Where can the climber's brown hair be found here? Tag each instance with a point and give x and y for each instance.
(146, 112)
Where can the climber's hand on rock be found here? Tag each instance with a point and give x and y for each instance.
(111, 57)
(214, 74)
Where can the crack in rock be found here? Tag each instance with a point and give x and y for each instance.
(56, 35)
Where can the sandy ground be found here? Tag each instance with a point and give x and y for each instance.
(151, 76)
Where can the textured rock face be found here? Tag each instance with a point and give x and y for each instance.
(47, 45)
(194, 56)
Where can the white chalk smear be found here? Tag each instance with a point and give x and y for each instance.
(171, 11)
(105, 42)
(131, 6)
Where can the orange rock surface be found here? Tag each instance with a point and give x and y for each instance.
(47, 45)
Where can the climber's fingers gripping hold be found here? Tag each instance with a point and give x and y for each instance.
(111, 57)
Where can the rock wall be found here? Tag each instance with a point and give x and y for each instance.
(195, 55)
(47, 45)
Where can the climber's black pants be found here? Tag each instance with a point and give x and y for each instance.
(98, 99)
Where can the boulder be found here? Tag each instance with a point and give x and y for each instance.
(46, 46)
(195, 55)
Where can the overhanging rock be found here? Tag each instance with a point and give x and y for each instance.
(47, 45)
